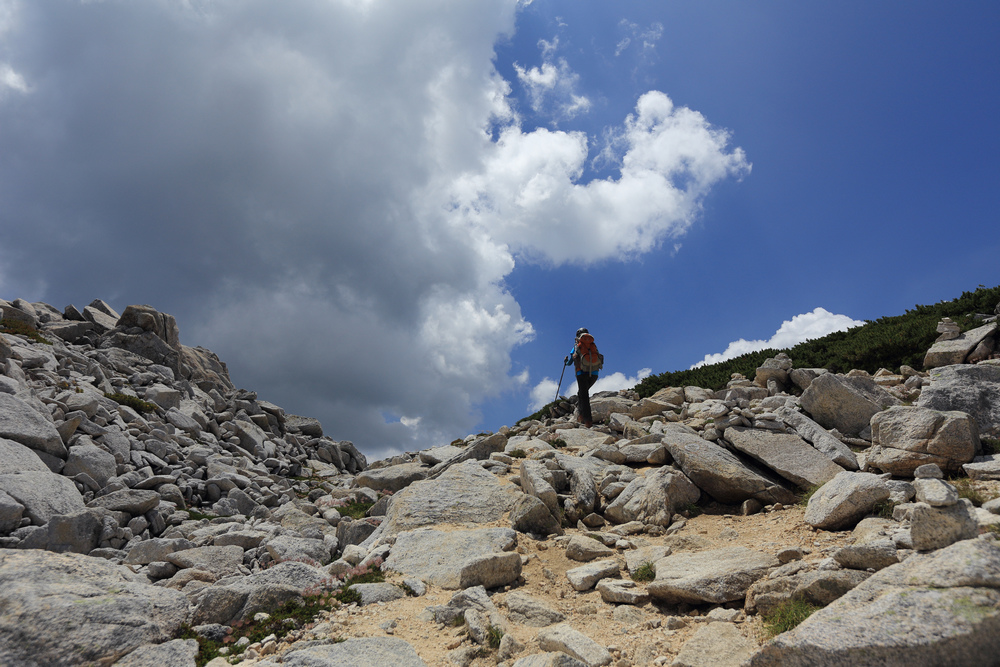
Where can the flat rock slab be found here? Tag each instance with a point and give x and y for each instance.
(175, 653)
(585, 549)
(526, 610)
(585, 577)
(392, 478)
(717, 471)
(220, 561)
(457, 559)
(983, 467)
(70, 609)
(716, 576)
(820, 438)
(621, 591)
(574, 643)
(465, 493)
(548, 659)
(133, 501)
(715, 645)
(786, 454)
(379, 592)
(366, 652)
(937, 609)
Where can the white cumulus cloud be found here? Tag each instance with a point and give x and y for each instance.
(552, 86)
(800, 328)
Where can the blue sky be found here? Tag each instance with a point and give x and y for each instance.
(393, 216)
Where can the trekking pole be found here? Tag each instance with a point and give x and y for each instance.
(560, 382)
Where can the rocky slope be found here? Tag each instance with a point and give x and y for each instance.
(144, 498)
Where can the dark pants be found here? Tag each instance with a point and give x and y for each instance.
(584, 382)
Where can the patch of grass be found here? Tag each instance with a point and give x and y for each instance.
(645, 572)
(990, 446)
(808, 493)
(19, 328)
(966, 489)
(292, 615)
(493, 636)
(787, 615)
(518, 454)
(354, 508)
(458, 621)
(559, 443)
(208, 649)
(133, 402)
(369, 574)
(348, 596)
(883, 509)
(693, 509)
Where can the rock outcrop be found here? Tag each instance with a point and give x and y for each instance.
(141, 491)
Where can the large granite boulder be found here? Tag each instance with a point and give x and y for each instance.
(535, 481)
(786, 454)
(654, 498)
(43, 494)
(717, 471)
(15, 458)
(457, 559)
(817, 587)
(526, 610)
(955, 350)
(973, 389)
(149, 333)
(845, 500)
(391, 478)
(937, 609)
(819, 437)
(242, 597)
(465, 493)
(530, 515)
(89, 459)
(846, 403)
(21, 423)
(715, 576)
(175, 653)
(69, 609)
(906, 438)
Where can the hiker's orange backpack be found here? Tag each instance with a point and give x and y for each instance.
(591, 360)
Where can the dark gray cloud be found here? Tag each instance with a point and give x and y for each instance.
(312, 189)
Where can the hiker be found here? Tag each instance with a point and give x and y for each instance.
(588, 362)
